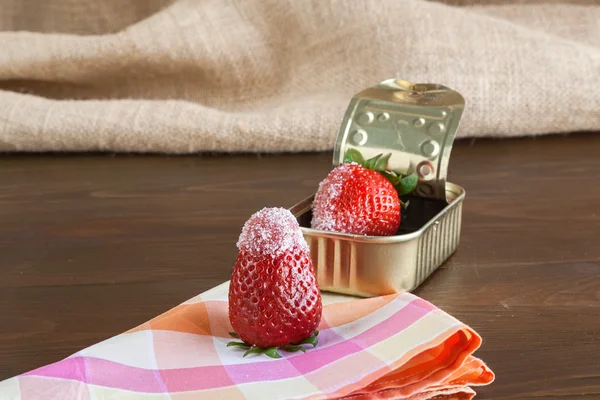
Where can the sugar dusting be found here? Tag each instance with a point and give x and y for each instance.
(326, 215)
(271, 231)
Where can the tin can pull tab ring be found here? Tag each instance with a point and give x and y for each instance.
(415, 122)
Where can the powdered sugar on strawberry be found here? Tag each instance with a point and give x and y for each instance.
(271, 231)
(330, 188)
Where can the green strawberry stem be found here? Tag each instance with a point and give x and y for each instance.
(273, 351)
(404, 184)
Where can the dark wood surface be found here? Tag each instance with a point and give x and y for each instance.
(91, 245)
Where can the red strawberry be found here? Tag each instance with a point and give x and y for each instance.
(360, 197)
(274, 299)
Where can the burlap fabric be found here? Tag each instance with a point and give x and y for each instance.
(276, 75)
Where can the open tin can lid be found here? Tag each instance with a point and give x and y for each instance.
(416, 122)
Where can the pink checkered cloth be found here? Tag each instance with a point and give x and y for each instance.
(393, 347)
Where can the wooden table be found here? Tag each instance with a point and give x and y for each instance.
(92, 245)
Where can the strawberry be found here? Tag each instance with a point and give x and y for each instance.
(274, 299)
(361, 197)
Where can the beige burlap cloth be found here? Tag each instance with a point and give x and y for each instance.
(185, 76)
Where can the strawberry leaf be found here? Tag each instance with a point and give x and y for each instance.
(310, 340)
(233, 334)
(407, 184)
(293, 349)
(371, 162)
(382, 163)
(353, 155)
(254, 350)
(392, 177)
(238, 344)
(272, 352)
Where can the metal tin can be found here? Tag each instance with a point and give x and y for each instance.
(417, 124)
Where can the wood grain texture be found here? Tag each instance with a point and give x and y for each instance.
(92, 245)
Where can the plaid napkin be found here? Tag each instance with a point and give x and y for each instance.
(393, 347)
